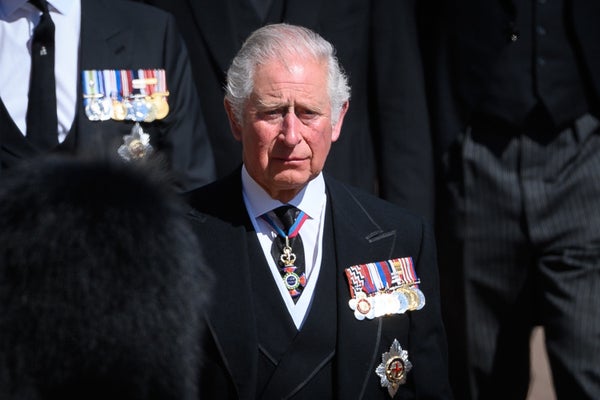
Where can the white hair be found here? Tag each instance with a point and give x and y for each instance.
(277, 42)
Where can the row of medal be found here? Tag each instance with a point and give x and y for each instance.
(384, 288)
(134, 95)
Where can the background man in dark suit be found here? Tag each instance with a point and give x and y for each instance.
(385, 147)
(515, 100)
(282, 324)
(102, 284)
(99, 35)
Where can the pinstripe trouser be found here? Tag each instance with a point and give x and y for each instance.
(519, 243)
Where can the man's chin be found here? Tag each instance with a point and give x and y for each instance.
(292, 178)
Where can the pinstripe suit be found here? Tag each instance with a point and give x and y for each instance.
(518, 205)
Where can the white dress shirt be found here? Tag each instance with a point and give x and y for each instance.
(18, 18)
(312, 200)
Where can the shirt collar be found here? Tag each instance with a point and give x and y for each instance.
(62, 6)
(8, 7)
(310, 199)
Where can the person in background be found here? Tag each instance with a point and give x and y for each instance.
(103, 78)
(515, 104)
(386, 146)
(102, 284)
(321, 290)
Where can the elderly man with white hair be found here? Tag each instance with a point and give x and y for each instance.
(322, 291)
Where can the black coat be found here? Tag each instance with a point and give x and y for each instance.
(366, 229)
(111, 38)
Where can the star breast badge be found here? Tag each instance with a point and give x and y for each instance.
(136, 145)
(393, 368)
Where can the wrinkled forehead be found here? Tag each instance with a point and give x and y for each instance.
(290, 57)
(293, 72)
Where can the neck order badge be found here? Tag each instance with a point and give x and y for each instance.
(287, 248)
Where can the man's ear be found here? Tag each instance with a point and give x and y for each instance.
(234, 124)
(337, 128)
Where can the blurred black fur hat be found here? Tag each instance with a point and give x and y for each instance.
(101, 284)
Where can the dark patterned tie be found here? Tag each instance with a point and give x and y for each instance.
(290, 261)
(41, 110)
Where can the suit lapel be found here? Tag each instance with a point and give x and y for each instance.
(103, 39)
(358, 239)
(218, 26)
(233, 327)
(239, 349)
(215, 22)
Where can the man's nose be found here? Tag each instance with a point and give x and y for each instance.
(290, 129)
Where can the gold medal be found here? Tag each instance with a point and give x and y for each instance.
(411, 296)
(161, 105)
(151, 115)
(363, 305)
(119, 112)
(420, 297)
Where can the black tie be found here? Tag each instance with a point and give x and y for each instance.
(41, 110)
(293, 276)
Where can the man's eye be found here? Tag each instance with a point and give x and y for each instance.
(270, 114)
(306, 114)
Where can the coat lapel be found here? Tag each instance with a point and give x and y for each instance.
(239, 349)
(103, 39)
(358, 239)
(233, 328)
(218, 27)
(216, 24)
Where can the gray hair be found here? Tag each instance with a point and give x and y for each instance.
(276, 42)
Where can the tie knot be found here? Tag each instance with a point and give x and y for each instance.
(42, 5)
(287, 215)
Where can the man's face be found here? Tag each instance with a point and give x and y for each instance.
(286, 130)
